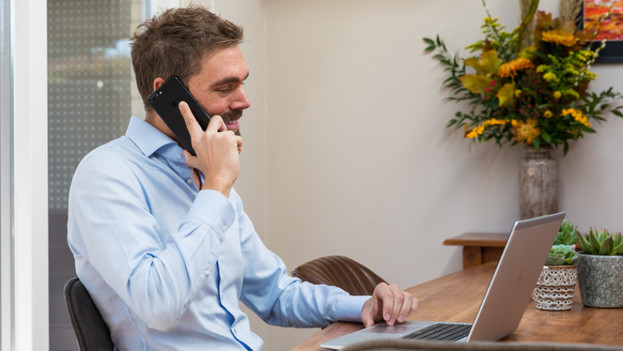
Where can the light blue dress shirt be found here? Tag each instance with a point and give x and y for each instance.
(167, 264)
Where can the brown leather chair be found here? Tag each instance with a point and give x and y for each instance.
(340, 271)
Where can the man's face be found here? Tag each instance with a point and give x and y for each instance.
(218, 87)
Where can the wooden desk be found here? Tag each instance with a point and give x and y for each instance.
(480, 248)
(457, 297)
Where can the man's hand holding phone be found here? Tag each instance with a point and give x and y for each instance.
(217, 151)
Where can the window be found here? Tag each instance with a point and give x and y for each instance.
(91, 96)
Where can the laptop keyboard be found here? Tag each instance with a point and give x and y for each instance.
(442, 332)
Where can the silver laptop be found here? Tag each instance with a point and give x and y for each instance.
(505, 300)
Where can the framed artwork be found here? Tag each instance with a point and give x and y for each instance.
(611, 28)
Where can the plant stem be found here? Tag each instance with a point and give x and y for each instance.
(528, 17)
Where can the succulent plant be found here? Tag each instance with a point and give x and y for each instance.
(561, 255)
(567, 234)
(601, 242)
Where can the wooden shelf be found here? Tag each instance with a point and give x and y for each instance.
(479, 248)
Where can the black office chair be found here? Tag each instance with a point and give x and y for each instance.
(91, 331)
(340, 271)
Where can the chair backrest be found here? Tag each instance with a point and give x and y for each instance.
(91, 331)
(340, 271)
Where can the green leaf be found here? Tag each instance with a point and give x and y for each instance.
(583, 242)
(546, 137)
(605, 248)
(595, 244)
(617, 250)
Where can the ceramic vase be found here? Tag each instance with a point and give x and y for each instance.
(600, 280)
(555, 288)
(538, 183)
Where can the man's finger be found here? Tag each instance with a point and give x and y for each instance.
(239, 143)
(406, 308)
(397, 302)
(384, 294)
(216, 124)
(191, 123)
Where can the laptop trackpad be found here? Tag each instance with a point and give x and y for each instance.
(376, 332)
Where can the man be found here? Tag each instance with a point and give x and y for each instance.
(160, 237)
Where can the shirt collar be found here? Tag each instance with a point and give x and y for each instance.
(146, 136)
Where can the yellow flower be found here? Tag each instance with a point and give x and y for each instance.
(547, 114)
(475, 132)
(494, 122)
(577, 115)
(557, 94)
(550, 77)
(518, 93)
(526, 131)
(559, 37)
(571, 93)
(511, 68)
(590, 75)
(478, 130)
(572, 71)
(585, 54)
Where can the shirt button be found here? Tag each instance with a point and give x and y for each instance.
(179, 156)
(224, 228)
(189, 181)
(207, 272)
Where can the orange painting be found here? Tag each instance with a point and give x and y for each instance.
(611, 28)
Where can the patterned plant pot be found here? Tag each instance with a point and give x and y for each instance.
(600, 280)
(555, 288)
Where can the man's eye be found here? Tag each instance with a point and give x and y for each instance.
(224, 89)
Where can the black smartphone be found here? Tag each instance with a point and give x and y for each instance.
(165, 101)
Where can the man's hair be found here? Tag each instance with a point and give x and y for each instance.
(175, 42)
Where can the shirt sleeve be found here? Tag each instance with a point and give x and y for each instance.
(280, 299)
(155, 272)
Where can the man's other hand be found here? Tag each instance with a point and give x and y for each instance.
(389, 304)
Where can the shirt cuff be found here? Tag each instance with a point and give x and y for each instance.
(349, 308)
(214, 209)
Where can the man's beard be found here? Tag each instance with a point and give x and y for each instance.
(232, 116)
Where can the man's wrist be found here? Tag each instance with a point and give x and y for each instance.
(221, 186)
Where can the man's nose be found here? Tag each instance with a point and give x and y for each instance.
(240, 101)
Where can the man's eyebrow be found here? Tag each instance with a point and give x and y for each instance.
(229, 80)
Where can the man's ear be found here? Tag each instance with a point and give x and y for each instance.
(158, 82)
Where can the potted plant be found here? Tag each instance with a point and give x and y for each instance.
(555, 286)
(600, 268)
